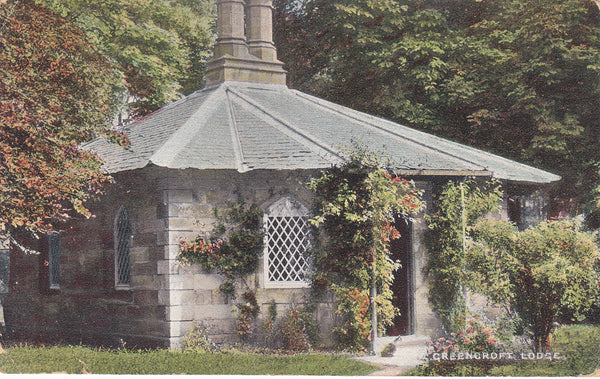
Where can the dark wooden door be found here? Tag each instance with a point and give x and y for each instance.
(400, 249)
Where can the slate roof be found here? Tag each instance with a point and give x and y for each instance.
(252, 126)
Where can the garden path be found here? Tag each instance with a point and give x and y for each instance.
(410, 352)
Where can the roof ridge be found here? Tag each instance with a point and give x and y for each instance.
(366, 120)
(306, 139)
(177, 142)
(238, 150)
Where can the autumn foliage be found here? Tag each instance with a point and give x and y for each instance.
(56, 91)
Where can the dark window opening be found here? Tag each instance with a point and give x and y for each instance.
(122, 247)
(54, 260)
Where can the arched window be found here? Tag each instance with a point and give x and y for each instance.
(53, 260)
(122, 247)
(287, 241)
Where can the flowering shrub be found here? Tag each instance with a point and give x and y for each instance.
(202, 252)
(478, 336)
(468, 340)
(294, 331)
(234, 256)
(441, 345)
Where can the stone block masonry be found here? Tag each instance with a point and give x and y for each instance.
(165, 298)
(425, 322)
(192, 199)
(87, 307)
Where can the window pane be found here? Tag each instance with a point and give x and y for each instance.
(288, 241)
(122, 248)
(54, 260)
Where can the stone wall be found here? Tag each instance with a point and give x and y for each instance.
(192, 197)
(87, 307)
(425, 323)
(165, 297)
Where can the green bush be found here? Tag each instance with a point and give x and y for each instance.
(544, 273)
(196, 341)
(459, 206)
(299, 331)
(580, 344)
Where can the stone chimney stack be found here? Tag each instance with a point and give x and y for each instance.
(240, 57)
(260, 29)
(231, 38)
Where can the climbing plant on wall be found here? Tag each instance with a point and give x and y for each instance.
(233, 251)
(356, 206)
(234, 247)
(458, 208)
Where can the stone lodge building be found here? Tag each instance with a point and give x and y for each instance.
(246, 135)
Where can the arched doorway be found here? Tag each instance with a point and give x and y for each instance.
(402, 288)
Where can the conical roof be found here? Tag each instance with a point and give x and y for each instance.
(251, 126)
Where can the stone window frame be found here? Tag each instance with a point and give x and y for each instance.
(286, 207)
(53, 255)
(122, 241)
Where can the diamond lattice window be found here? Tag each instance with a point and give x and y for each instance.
(122, 246)
(287, 240)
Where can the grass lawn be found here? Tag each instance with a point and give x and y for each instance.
(79, 359)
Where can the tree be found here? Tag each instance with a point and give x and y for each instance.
(464, 70)
(159, 46)
(528, 89)
(56, 91)
(376, 56)
(546, 272)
